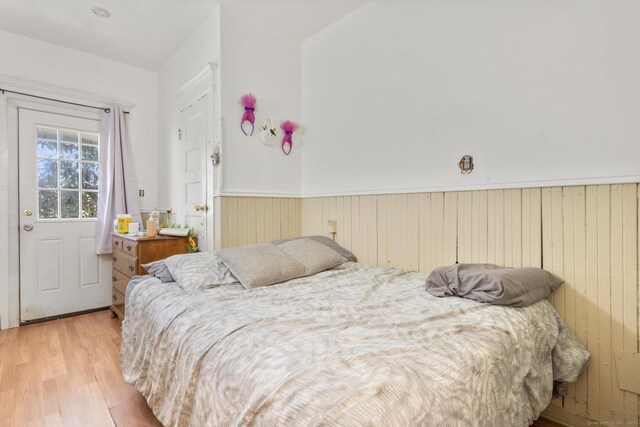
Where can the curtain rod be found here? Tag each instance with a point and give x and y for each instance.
(106, 110)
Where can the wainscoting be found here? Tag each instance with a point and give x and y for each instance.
(586, 234)
(250, 220)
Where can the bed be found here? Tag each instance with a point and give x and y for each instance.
(354, 345)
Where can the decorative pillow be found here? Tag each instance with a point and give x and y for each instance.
(492, 284)
(348, 256)
(315, 257)
(159, 270)
(201, 270)
(261, 265)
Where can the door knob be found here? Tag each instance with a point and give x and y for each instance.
(28, 227)
(28, 212)
(201, 208)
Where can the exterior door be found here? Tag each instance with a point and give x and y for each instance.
(194, 161)
(60, 272)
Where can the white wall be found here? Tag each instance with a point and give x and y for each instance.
(268, 64)
(395, 93)
(200, 49)
(37, 61)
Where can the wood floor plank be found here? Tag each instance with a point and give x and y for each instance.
(135, 413)
(66, 373)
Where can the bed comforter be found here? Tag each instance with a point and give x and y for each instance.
(352, 346)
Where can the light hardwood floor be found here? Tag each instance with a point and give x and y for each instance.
(66, 373)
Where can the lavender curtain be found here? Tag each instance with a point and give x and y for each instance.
(117, 182)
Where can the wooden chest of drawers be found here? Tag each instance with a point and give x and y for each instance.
(130, 253)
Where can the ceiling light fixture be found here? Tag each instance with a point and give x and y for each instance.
(101, 12)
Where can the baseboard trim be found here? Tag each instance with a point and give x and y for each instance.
(62, 316)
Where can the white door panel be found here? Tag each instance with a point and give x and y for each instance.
(193, 150)
(59, 270)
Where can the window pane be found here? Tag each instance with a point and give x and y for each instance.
(48, 204)
(47, 142)
(67, 136)
(69, 204)
(47, 174)
(68, 174)
(88, 138)
(69, 151)
(90, 153)
(90, 176)
(89, 204)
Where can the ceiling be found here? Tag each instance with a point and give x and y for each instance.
(145, 33)
(299, 19)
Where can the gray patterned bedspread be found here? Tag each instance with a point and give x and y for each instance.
(352, 346)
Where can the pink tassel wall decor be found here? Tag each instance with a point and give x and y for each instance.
(249, 103)
(288, 127)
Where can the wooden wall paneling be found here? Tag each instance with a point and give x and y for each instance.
(312, 217)
(431, 230)
(402, 217)
(508, 228)
(250, 220)
(382, 224)
(369, 219)
(593, 370)
(260, 223)
(233, 221)
(269, 230)
(276, 219)
(413, 232)
(479, 227)
(298, 223)
(512, 223)
(531, 228)
(393, 226)
(604, 300)
(243, 214)
(617, 315)
(631, 326)
(451, 226)
(553, 243)
(579, 282)
(568, 271)
(224, 222)
(438, 257)
(464, 226)
(495, 227)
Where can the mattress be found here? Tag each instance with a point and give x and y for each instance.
(352, 346)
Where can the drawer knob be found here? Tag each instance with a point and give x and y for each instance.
(116, 243)
(130, 268)
(114, 259)
(115, 297)
(129, 248)
(115, 279)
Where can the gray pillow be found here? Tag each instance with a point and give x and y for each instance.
(261, 265)
(315, 256)
(201, 270)
(348, 256)
(492, 284)
(159, 270)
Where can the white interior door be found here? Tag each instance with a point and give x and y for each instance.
(60, 272)
(195, 186)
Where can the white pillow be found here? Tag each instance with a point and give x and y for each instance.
(201, 270)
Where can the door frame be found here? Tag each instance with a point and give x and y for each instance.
(205, 83)
(10, 281)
